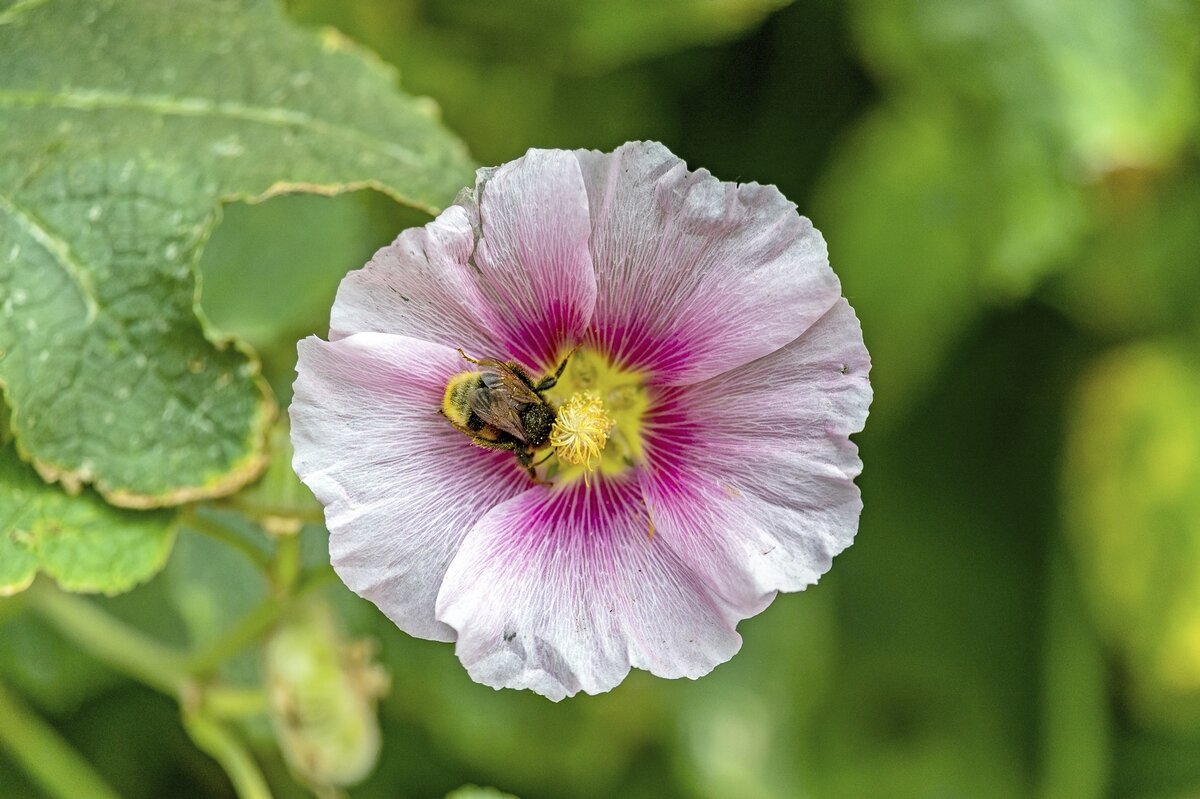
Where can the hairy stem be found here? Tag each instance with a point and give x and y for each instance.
(49, 760)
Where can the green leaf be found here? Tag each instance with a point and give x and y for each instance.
(1132, 499)
(607, 34)
(84, 544)
(115, 154)
(582, 37)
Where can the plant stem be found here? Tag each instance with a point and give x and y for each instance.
(110, 641)
(223, 702)
(200, 523)
(255, 623)
(248, 629)
(286, 564)
(48, 759)
(222, 746)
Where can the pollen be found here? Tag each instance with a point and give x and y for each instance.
(581, 429)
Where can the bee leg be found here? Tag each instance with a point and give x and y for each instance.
(467, 357)
(520, 372)
(526, 459)
(487, 443)
(550, 381)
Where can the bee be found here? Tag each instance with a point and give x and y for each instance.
(502, 407)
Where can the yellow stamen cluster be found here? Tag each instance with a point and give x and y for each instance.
(581, 430)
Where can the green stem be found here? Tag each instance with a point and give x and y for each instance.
(286, 564)
(246, 631)
(48, 759)
(1077, 727)
(222, 746)
(223, 702)
(200, 523)
(315, 578)
(110, 641)
(254, 624)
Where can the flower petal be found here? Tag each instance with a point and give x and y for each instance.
(697, 276)
(750, 475)
(504, 273)
(533, 259)
(421, 286)
(401, 487)
(562, 591)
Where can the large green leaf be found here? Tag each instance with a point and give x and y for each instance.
(122, 127)
(83, 543)
(301, 246)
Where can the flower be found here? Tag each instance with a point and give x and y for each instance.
(700, 459)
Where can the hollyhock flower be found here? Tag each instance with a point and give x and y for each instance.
(699, 460)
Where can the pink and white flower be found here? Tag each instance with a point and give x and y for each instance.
(704, 318)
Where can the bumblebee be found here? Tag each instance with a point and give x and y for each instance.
(502, 407)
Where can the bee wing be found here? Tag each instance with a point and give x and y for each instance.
(495, 405)
(509, 382)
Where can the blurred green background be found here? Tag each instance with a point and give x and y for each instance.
(1010, 190)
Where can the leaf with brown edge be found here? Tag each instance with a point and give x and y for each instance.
(81, 542)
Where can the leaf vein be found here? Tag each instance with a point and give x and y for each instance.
(18, 8)
(165, 105)
(58, 248)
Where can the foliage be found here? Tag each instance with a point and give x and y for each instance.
(1133, 505)
(110, 186)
